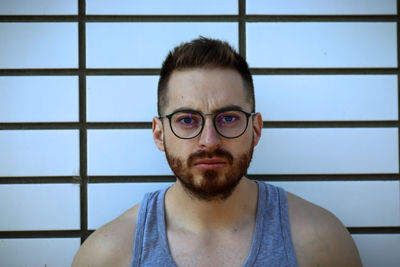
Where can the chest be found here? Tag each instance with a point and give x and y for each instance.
(211, 249)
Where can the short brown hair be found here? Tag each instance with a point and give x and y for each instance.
(203, 52)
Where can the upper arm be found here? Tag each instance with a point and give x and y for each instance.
(319, 238)
(111, 244)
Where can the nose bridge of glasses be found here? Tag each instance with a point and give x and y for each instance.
(211, 122)
(204, 118)
(211, 115)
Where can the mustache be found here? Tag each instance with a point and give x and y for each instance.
(220, 153)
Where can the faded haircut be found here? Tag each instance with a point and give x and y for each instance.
(203, 52)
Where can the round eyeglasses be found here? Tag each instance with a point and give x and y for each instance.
(188, 124)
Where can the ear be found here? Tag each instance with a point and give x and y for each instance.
(257, 127)
(158, 133)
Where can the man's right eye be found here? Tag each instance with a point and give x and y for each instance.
(187, 120)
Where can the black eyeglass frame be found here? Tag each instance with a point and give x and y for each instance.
(169, 116)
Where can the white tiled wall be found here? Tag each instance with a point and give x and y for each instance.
(172, 7)
(326, 150)
(124, 152)
(39, 45)
(317, 7)
(114, 98)
(39, 207)
(326, 45)
(38, 7)
(379, 250)
(57, 252)
(334, 97)
(366, 204)
(128, 45)
(39, 152)
(39, 99)
(107, 201)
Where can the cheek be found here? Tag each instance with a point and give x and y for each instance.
(177, 147)
(244, 142)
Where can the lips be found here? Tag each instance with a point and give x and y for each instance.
(210, 160)
(210, 163)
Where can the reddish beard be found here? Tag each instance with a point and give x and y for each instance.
(213, 185)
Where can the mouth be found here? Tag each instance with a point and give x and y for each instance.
(210, 164)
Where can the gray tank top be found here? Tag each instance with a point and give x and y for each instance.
(271, 245)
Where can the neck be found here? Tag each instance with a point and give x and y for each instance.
(184, 211)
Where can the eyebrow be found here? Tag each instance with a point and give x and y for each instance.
(221, 109)
(228, 107)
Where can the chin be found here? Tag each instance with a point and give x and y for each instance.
(210, 186)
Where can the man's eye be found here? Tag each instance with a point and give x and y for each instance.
(187, 120)
(228, 118)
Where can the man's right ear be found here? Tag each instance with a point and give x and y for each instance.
(158, 133)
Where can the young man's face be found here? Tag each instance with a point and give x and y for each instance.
(208, 166)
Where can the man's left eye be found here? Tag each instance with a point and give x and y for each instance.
(228, 119)
(187, 120)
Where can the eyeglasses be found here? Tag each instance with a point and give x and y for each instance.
(188, 124)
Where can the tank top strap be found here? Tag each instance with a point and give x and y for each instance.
(150, 245)
(272, 234)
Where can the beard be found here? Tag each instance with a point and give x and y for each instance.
(212, 184)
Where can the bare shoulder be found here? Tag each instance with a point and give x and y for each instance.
(111, 244)
(319, 237)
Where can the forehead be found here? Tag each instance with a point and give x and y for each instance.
(206, 90)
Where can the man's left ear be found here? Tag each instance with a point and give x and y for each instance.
(257, 127)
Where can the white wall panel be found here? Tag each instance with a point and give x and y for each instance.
(124, 152)
(313, 7)
(108, 201)
(39, 152)
(39, 45)
(313, 45)
(366, 203)
(39, 207)
(38, 99)
(178, 7)
(323, 150)
(50, 252)
(326, 97)
(144, 45)
(379, 250)
(121, 98)
(38, 7)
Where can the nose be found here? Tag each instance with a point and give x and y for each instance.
(209, 137)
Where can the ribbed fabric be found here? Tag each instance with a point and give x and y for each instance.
(271, 246)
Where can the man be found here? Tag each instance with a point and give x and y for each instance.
(213, 215)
